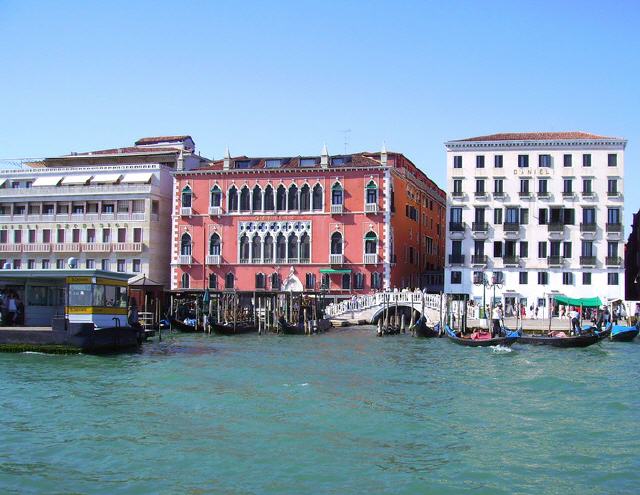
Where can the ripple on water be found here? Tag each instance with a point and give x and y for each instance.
(343, 412)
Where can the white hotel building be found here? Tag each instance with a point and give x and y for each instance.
(108, 209)
(532, 215)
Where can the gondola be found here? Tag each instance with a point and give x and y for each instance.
(589, 336)
(183, 327)
(230, 329)
(509, 339)
(622, 333)
(420, 329)
(289, 329)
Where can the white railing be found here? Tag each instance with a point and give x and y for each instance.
(215, 210)
(336, 209)
(10, 248)
(127, 247)
(213, 259)
(76, 190)
(336, 259)
(370, 259)
(96, 247)
(360, 303)
(36, 248)
(185, 211)
(66, 247)
(371, 208)
(185, 259)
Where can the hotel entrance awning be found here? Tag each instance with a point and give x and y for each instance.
(331, 270)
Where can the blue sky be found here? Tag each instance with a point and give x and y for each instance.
(279, 78)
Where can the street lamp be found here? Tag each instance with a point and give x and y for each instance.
(481, 279)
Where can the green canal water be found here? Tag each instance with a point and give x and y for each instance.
(339, 413)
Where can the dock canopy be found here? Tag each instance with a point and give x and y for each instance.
(47, 181)
(585, 302)
(331, 270)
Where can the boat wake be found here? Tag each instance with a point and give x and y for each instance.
(501, 349)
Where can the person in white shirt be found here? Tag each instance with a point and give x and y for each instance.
(496, 316)
(575, 320)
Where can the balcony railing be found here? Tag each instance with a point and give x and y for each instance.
(127, 247)
(511, 227)
(498, 194)
(456, 259)
(74, 217)
(457, 194)
(567, 194)
(479, 259)
(480, 226)
(76, 190)
(587, 260)
(613, 194)
(544, 194)
(588, 227)
(613, 260)
(185, 259)
(96, 247)
(371, 208)
(215, 210)
(10, 248)
(511, 260)
(370, 259)
(480, 194)
(556, 228)
(36, 248)
(185, 211)
(336, 209)
(525, 194)
(588, 194)
(457, 226)
(555, 260)
(336, 259)
(213, 259)
(305, 261)
(614, 227)
(66, 247)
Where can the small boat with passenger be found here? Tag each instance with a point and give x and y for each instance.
(480, 338)
(623, 333)
(588, 336)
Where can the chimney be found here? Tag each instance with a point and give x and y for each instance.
(383, 154)
(324, 157)
(227, 160)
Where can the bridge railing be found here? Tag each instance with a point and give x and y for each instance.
(364, 302)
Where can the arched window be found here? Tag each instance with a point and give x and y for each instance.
(376, 280)
(232, 199)
(337, 197)
(187, 194)
(268, 199)
(293, 197)
(184, 282)
(216, 197)
(305, 248)
(346, 281)
(261, 281)
(281, 198)
(370, 243)
(185, 244)
(305, 198)
(214, 244)
(310, 281)
(358, 280)
(275, 281)
(317, 197)
(268, 249)
(281, 249)
(213, 281)
(336, 243)
(256, 247)
(244, 199)
(372, 193)
(292, 250)
(229, 280)
(257, 199)
(244, 249)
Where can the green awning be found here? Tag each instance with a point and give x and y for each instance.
(331, 270)
(371, 237)
(372, 185)
(585, 302)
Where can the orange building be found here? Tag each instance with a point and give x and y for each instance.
(342, 224)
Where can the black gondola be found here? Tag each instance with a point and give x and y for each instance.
(508, 340)
(621, 333)
(183, 327)
(421, 329)
(590, 337)
(230, 329)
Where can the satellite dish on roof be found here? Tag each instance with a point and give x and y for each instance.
(72, 262)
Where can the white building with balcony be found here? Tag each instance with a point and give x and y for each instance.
(108, 209)
(532, 215)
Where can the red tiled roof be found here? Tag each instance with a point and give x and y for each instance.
(536, 136)
(161, 139)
